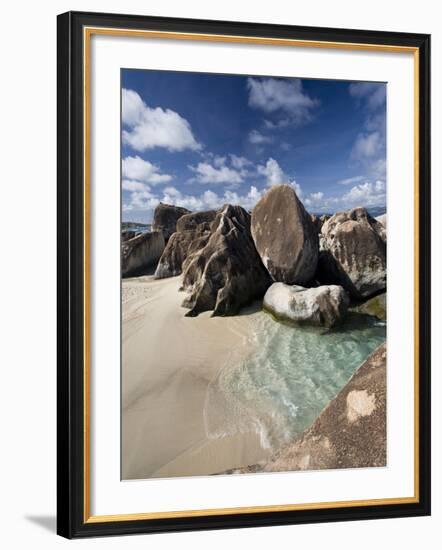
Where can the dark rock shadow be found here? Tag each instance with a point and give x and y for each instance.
(49, 523)
(329, 272)
(141, 272)
(252, 307)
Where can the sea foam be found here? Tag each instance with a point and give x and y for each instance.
(288, 378)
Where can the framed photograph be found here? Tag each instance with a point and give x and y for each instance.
(228, 352)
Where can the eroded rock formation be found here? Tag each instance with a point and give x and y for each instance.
(227, 272)
(165, 218)
(141, 252)
(193, 232)
(196, 220)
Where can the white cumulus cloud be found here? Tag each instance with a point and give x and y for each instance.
(369, 152)
(366, 194)
(146, 202)
(136, 168)
(349, 181)
(214, 169)
(216, 173)
(284, 95)
(273, 172)
(373, 93)
(369, 148)
(275, 175)
(134, 185)
(257, 138)
(141, 200)
(239, 162)
(148, 127)
(318, 196)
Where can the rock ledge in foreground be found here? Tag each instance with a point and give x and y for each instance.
(350, 432)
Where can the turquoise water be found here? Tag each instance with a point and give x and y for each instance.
(284, 384)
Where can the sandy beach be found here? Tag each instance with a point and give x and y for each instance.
(168, 362)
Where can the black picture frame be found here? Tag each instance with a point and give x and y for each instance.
(72, 520)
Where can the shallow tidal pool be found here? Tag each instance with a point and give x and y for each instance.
(288, 378)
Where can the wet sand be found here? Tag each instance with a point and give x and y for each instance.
(168, 361)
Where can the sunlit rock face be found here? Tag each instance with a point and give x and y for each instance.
(285, 236)
(165, 218)
(353, 253)
(227, 273)
(321, 306)
(192, 234)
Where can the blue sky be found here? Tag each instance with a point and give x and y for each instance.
(202, 140)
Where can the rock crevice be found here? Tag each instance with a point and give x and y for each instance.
(226, 273)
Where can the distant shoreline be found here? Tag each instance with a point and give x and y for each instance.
(373, 211)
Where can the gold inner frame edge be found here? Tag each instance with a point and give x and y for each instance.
(87, 34)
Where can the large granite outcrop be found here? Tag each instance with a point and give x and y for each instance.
(193, 232)
(227, 272)
(321, 306)
(353, 253)
(141, 253)
(285, 236)
(350, 432)
(165, 218)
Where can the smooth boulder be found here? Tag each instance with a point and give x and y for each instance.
(227, 273)
(353, 253)
(321, 306)
(141, 252)
(285, 236)
(165, 218)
